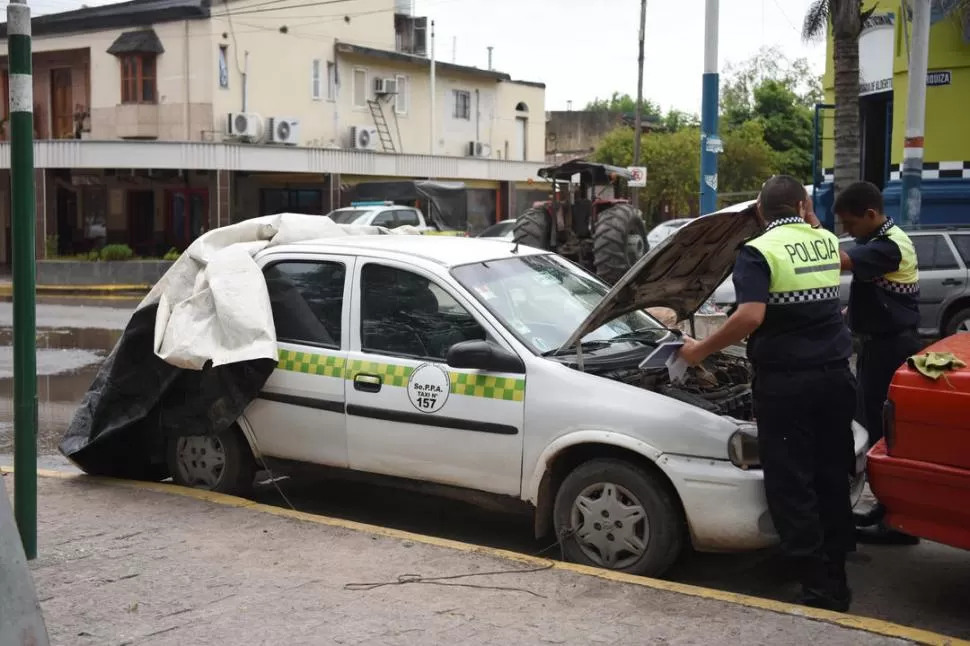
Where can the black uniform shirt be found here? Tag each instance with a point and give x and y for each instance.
(873, 310)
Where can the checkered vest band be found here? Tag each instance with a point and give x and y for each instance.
(804, 262)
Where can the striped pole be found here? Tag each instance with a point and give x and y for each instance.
(23, 219)
(912, 170)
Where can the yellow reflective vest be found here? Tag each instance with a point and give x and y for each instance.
(804, 262)
(905, 280)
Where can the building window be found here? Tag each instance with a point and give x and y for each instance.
(331, 81)
(463, 105)
(360, 88)
(224, 66)
(138, 78)
(316, 80)
(403, 91)
(290, 200)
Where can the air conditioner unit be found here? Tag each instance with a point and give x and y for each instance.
(385, 86)
(363, 138)
(479, 149)
(245, 124)
(284, 130)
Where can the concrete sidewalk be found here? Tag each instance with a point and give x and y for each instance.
(149, 564)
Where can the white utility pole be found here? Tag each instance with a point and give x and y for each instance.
(434, 95)
(912, 170)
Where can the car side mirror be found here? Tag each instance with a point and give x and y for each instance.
(484, 355)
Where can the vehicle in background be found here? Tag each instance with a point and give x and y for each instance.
(500, 231)
(943, 254)
(920, 470)
(660, 232)
(443, 206)
(606, 235)
(380, 214)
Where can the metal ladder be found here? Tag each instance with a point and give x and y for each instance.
(383, 131)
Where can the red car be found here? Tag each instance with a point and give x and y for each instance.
(920, 471)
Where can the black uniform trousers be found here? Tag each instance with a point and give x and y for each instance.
(807, 454)
(878, 361)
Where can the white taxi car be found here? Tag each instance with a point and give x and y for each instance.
(508, 370)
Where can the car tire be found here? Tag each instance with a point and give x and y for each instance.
(222, 462)
(957, 322)
(532, 229)
(608, 489)
(619, 241)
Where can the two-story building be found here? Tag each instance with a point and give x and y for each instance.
(156, 120)
(884, 82)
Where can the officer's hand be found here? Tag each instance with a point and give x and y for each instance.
(692, 353)
(845, 311)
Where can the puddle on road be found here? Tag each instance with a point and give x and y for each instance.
(67, 362)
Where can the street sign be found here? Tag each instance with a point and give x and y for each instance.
(939, 77)
(714, 145)
(638, 177)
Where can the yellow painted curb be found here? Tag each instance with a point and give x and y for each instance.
(867, 624)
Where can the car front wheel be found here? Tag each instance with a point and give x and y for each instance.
(222, 462)
(617, 515)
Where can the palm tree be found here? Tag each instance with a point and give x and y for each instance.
(846, 18)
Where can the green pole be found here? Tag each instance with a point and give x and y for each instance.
(24, 277)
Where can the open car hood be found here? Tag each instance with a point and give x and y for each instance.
(681, 272)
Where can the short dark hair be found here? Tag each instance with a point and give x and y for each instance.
(780, 196)
(857, 198)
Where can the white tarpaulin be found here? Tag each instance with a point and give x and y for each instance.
(213, 304)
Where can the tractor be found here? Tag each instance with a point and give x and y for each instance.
(604, 234)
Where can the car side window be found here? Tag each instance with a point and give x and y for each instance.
(932, 252)
(385, 219)
(307, 300)
(405, 314)
(962, 243)
(408, 217)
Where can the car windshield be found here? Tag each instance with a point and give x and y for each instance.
(497, 230)
(544, 298)
(348, 216)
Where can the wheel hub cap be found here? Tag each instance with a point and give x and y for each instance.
(963, 326)
(610, 525)
(201, 460)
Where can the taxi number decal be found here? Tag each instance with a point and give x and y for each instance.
(429, 388)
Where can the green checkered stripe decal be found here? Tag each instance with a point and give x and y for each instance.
(470, 385)
(311, 364)
(504, 388)
(391, 374)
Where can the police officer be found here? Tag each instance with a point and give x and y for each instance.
(883, 312)
(787, 285)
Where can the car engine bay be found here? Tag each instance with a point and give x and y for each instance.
(721, 385)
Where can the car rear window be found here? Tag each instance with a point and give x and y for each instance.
(962, 243)
(932, 252)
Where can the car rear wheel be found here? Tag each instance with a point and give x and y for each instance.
(222, 462)
(617, 515)
(958, 323)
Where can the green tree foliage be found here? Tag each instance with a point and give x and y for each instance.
(625, 104)
(673, 165)
(780, 95)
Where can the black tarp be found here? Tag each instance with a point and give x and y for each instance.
(137, 401)
(447, 201)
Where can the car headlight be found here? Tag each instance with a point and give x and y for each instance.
(743, 447)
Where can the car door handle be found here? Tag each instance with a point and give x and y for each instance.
(368, 383)
(951, 281)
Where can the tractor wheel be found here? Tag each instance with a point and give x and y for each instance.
(532, 229)
(619, 240)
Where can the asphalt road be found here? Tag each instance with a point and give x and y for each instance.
(925, 586)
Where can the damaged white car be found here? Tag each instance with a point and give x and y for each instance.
(507, 370)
